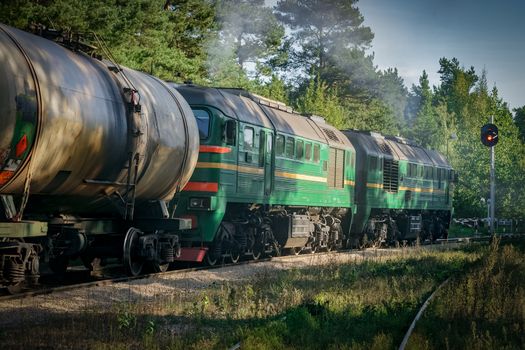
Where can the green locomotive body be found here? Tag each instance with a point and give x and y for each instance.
(266, 178)
(403, 191)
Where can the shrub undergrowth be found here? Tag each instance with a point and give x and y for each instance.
(481, 309)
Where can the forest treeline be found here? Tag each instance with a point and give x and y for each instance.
(313, 55)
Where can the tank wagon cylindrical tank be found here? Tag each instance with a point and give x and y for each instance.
(89, 151)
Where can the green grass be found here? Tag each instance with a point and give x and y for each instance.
(366, 305)
(481, 309)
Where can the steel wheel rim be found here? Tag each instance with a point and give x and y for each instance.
(131, 263)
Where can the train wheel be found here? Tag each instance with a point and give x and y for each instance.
(256, 255)
(15, 288)
(257, 250)
(211, 260)
(296, 250)
(235, 256)
(130, 258)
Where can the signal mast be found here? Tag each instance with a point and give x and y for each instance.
(489, 137)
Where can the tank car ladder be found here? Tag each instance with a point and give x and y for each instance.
(136, 145)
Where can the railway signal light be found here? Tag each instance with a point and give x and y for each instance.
(489, 135)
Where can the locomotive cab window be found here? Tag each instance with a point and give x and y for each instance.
(248, 138)
(230, 132)
(203, 122)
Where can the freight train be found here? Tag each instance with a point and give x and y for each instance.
(269, 179)
(98, 161)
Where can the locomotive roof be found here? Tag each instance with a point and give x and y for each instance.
(396, 148)
(254, 109)
(235, 106)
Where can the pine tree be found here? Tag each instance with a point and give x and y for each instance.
(249, 29)
(321, 29)
(519, 119)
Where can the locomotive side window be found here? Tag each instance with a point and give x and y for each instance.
(308, 151)
(279, 145)
(428, 172)
(248, 138)
(269, 143)
(230, 132)
(412, 170)
(299, 151)
(420, 171)
(289, 149)
(317, 153)
(203, 122)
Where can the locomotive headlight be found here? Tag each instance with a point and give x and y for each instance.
(196, 202)
(204, 203)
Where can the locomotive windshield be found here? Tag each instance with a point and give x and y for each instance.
(203, 122)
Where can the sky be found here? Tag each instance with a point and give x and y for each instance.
(412, 35)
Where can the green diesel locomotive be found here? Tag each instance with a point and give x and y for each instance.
(403, 191)
(269, 179)
(266, 179)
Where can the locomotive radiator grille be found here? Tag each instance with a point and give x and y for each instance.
(390, 175)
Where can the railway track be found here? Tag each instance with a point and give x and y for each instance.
(82, 279)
